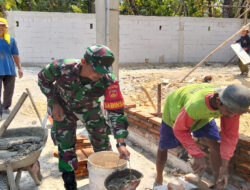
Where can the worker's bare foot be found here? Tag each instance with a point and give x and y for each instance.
(158, 181)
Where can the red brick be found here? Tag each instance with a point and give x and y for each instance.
(173, 152)
(140, 132)
(129, 105)
(88, 151)
(133, 111)
(154, 131)
(141, 125)
(245, 151)
(143, 115)
(81, 169)
(135, 118)
(155, 120)
(156, 136)
(246, 178)
(242, 158)
(130, 120)
(157, 127)
(146, 123)
(132, 127)
(235, 184)
(81, 156)
(244, 140)
(81, 138)
(81, 174)
(245, 166)
(241, 170)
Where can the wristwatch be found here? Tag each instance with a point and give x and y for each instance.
(120, 144)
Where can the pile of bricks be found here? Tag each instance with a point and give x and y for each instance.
(83, 151)
(148, 126)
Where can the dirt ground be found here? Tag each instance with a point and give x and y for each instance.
(131, 81)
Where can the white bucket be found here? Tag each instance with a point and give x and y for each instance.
(101, 165)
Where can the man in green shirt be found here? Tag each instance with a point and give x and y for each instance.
(192, 109)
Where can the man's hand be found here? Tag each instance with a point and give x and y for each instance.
(20, 73)
(245, 49)
(199, 166)
(124, 153)
(57, 112)
(222, 180)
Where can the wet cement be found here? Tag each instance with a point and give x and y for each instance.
(120, 182)
(17, 147)
(123, 179)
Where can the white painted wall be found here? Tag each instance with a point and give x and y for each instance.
(43, 36)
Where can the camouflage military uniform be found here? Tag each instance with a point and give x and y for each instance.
(79, 97)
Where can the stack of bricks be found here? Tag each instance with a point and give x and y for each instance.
(83, 151)
(148, 126)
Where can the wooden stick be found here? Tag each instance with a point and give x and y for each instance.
(239, 9)
(246, 15)
(11, 179)
(244, 12)
(159, 100)
(213, 52)
(34, 106)
(13, 113)
(147, 94)
(230, 60)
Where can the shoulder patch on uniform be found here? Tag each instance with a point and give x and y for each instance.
(113, 97)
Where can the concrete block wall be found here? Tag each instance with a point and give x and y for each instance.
(147, 127)
(43, 36)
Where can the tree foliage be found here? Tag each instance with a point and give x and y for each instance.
(192, 8)
(78, 6)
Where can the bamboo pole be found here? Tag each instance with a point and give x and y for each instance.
(13, 113)
(159, 100)
(214, 51)
(230, 60)
(246, 15)
(150, 99)
(34, 105)
(239, 9)
(246, 11)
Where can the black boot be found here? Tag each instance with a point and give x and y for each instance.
(69, 180)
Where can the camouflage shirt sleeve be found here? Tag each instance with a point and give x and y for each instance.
(46, 78)
(114, 104)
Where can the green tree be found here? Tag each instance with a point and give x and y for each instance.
(197, 8)
(79, 6)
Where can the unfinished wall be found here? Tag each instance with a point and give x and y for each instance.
(145, 128)
(43, 36)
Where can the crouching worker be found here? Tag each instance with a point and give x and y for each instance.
(192, 109)
(73, 88)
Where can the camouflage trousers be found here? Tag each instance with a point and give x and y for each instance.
(243, 68)
(64, 135)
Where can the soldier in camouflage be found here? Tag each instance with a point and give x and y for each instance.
(73, 88)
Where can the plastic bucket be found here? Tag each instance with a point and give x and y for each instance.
(101, 165)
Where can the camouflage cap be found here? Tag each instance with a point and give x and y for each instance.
(100, 57)
(235, 97)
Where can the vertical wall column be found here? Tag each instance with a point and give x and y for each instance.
(107, 27)
(181, 43)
